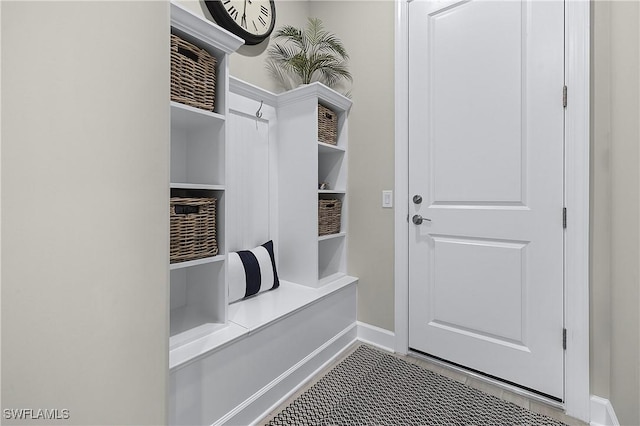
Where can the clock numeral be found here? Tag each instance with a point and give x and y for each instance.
(233, 12)
(252, 20)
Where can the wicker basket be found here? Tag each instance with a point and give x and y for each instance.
(193, 228)
(327, 125)
(329, 216)
(193, 75)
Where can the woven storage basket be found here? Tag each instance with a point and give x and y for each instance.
(329, 214)
(193, 228)
(327, 125)
(193, 75)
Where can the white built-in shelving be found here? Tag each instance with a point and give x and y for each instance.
(198, 305)
(266, 182)
(259, 155)
(304, 163)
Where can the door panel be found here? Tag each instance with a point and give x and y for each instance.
(486, 154)
(460, 115)
(460, 301)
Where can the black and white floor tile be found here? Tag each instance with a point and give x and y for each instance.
(370, 387)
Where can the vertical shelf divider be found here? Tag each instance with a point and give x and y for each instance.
(198, 300)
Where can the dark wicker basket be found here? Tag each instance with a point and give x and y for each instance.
(327, 125)
(193, 228)
(193, 75)
(329, 216)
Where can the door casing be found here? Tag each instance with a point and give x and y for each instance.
(576, 262)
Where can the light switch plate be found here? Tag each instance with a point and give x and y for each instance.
(387, 199)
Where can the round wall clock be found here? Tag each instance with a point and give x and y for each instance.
(251, 20)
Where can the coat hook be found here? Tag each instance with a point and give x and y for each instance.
(258, 112)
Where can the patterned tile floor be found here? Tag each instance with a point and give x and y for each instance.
(368, 386)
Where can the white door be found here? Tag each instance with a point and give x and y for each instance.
(486, 156)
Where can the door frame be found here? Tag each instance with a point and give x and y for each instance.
(576, 180)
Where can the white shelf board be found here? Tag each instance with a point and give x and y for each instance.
(193, 323)
(273, 305)
(329, 279)
(190, 263)
(332, 191)
(181, 185)
(332, 236)
(316, 90)
(185, 116)
(214, 337)
(189, 323)
(325, 148)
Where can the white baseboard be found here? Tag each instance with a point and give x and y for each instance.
(376, 336)
(293, 379)
(602, 413)
(298, 375)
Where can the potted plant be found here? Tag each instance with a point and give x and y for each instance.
(301, 56)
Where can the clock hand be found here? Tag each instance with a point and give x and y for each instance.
(243, 20)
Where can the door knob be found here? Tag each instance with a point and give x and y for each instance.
(417, 199)
(417, 219)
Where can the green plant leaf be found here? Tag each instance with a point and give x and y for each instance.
(308, 54)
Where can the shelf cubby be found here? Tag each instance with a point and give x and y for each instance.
(197, 151)
(331, 259)
(197, 300)
(332, 170)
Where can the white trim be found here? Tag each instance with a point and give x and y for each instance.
(577, 398)
(602, 413)
(315, 90)
(401, 210)
(251, 91)
(192, 25)
(294, 378)
(376, 336)
(576, 267)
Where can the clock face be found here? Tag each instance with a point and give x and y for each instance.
(252, 20)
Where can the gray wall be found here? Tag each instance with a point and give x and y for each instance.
(625, 249)
(600, 200)
(615, 143)
(84, 172)
(371, 148)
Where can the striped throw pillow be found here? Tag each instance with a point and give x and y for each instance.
(251, 272)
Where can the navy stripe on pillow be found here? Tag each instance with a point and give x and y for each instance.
(252, 271)
(269, 246)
